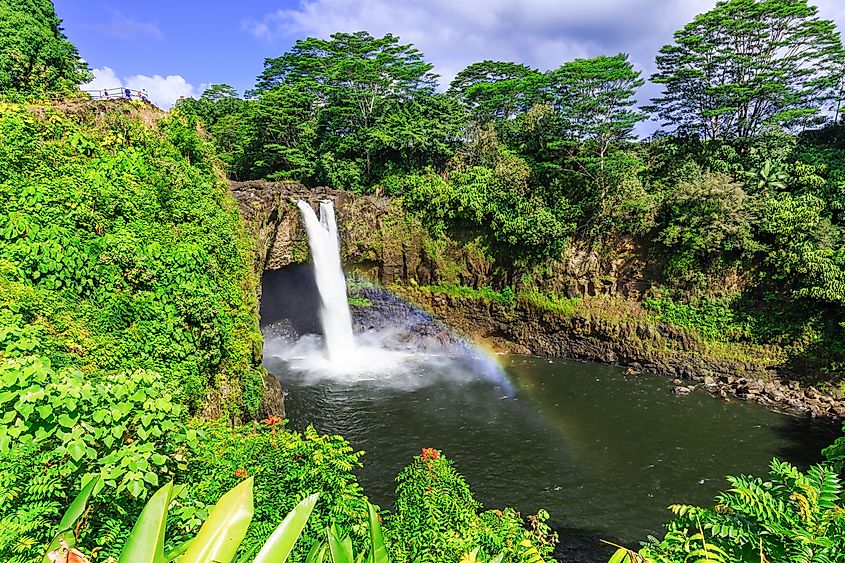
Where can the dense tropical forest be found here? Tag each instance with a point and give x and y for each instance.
(133, 422)
(738, 195)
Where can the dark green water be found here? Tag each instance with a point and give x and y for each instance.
(603, 453)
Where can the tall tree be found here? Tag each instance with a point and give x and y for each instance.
(746, 65)
(595, 99)
(35, 55)
(356, 79)
(494, 90)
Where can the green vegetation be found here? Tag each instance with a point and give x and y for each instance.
(712, 318)
(437, 519)
(35, 56)
(792, 516)
(128, 308)
(505, 297)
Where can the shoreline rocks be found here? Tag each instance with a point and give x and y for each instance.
(663, 350)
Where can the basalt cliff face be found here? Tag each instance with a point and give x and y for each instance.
(378, 239)
(382, 243)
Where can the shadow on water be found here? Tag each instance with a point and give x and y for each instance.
(294, 298)
(803, 438)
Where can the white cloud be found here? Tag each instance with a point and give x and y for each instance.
(163, 91)
(452, 35)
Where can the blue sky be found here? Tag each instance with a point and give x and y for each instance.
(180, 47)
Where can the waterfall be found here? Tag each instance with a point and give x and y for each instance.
(325, 252)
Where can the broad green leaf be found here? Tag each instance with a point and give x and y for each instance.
(317, 553)
(178, 550)
(281, 541)
(378, 551)
(221, 534)
(340, 550)
(146, 541)
(73, 513)
(79, 504)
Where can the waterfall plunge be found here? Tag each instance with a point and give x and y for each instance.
(371, 359)
(325, 251)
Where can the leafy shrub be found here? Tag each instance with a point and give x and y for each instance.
(124, 426)
(287, 466)
(793, 516)
(60, 427)
(484, 293)
(32, 492)
(128, 231)
(126, 299)
(549, 302)
(713, 318)
(708, 226)
(477, 198)
(436, 518)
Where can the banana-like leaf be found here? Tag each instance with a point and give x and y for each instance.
(220, 536)
(79, 504)
(247, 556)
(281, 541)
(317, 553)
(178, 550)
(340, 550)
(378, 551)
(146, 541)
(73, 513)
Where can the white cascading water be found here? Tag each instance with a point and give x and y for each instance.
(325, 251)
(340, 356)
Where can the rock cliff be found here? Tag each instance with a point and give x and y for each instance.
(382, 243)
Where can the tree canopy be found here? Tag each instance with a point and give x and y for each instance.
(746, 65)
(494, 90)
(35, 55)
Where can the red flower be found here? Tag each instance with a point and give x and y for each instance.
(273, 420)
(429, 454)
(241, 473)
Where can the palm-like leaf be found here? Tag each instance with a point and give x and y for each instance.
(220, 536)
(281, 542)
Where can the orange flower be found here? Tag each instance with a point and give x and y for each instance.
(241, 473)
(273, 420)
(429, 454)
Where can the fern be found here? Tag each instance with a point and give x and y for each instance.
(792, 517)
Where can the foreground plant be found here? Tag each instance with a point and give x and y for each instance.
(218, 540)
(793, 517)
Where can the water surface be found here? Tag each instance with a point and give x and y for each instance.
(602, 452)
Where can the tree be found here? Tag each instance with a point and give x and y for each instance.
(284, 128)
(494, 90)
(35, 55)
(356, 79)
(746, 65)
(425, 131)
(594, 98)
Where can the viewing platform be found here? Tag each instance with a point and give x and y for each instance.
(118, 92)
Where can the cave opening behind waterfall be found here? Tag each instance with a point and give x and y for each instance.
(290, 294)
